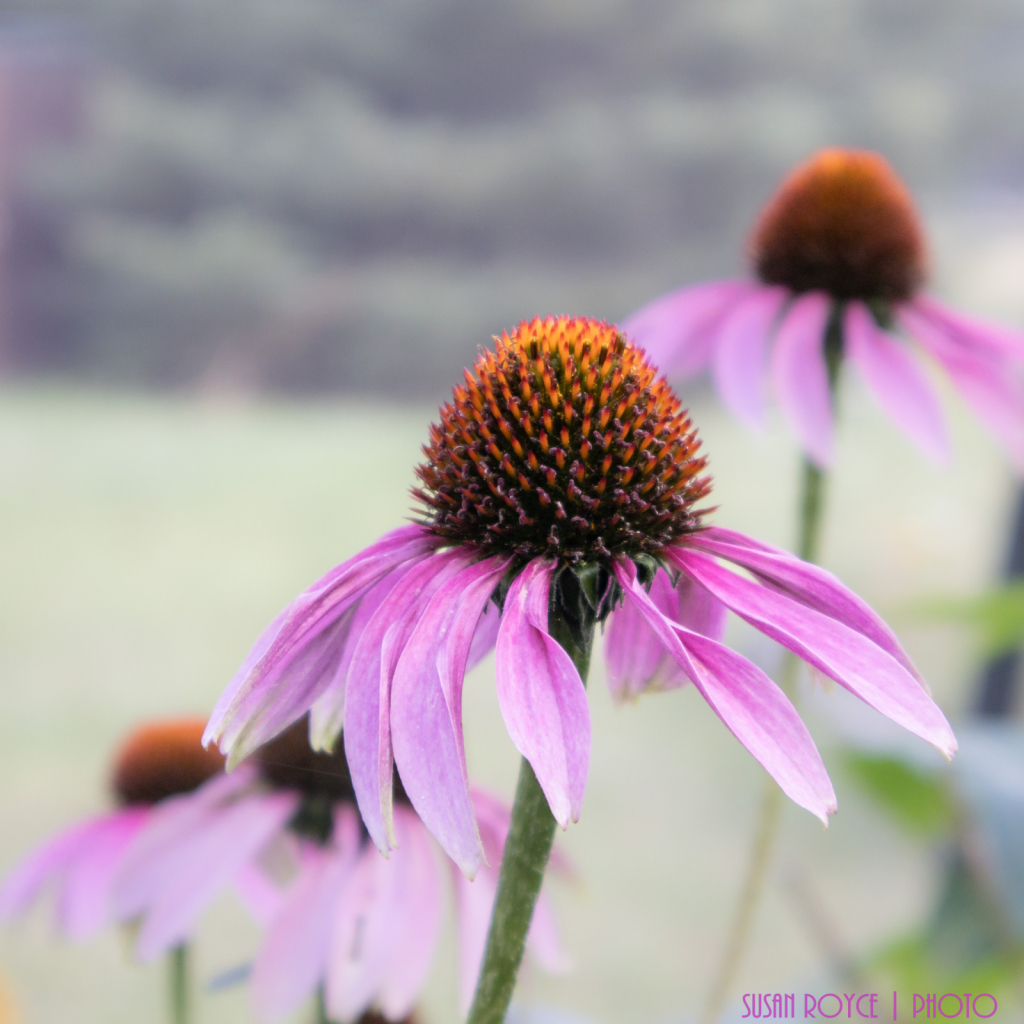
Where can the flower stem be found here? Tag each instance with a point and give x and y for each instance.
(811, 507)
(321, 1007)
(527, 849)
(177, 964)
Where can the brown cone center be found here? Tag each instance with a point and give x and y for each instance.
(845, 224)
(162, 759)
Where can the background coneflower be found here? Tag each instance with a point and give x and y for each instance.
(840, 261)
(156, 766)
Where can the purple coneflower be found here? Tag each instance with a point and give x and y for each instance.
(562, 479)
(158, 762)
(840, 260)
(561, 482)
(162, 772)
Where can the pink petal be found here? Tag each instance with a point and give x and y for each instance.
(47, 863)
(637, 660)
(153, 854)
(485, 637)
(738, 363)
(206, 864)
(420, 888)
(804, 582)
(368, 691)
(263, 698)
(801, 374)
(261, 895)
(749, 704)
(368, 922)
(84, 905)
(841, 653)
(988, 383)
(327, 716)
(292, 959)
(543, 939)
(426, 709)
(971, 331)
(896, 381)
(678, 330)
(541, 695)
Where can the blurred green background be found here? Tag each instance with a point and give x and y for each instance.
(248, 245)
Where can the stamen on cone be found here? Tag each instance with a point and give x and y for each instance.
(564, 441)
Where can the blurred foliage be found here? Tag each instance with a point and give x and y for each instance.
(997, 617)
(974, 937)
(961, 949)
(918, 801)
(335, 194)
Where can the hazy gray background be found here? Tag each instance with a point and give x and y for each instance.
(341, 195)
(248, 245)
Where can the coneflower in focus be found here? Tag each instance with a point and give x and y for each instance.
(561, 488)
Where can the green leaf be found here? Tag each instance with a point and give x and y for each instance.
(918, 801)
(997, 616)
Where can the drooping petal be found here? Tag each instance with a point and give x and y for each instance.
(426, 709)
(84, 904)
(42, 866)
(420, 893)
(206, 864)
(140, 878)
(989, 383)
(970, 330)
(292, 960)
(678, 330)
(369, 917)
(800, 374)
(260, 894)
(261, 700)
(738, 363)
(327, 715)
(804, 582)
(485, 637)
(841, 653)
(749, 704)
(541, 695)
(897, 381)
(637, 660)
(368, 692)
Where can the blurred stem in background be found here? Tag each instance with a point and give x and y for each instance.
(321, 1007)
(997, 688)
(177, 965)
(812, 504)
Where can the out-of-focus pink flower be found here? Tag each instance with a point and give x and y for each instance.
(159, 775)
(362, 928)
(560, 481)
(838, 254)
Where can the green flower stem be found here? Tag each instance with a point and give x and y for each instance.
(177, 973)
(527, 849)
(811, 508)
(321, 1007)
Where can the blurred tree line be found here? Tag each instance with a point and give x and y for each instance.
(341, 195)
